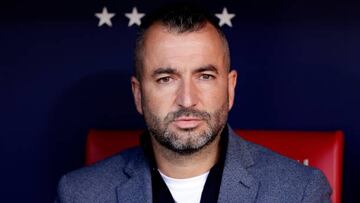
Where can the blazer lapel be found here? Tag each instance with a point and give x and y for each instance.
(137, 188)
(237, 184)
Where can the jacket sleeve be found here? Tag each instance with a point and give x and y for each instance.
(318, 189)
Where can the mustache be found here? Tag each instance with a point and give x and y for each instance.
(187, 112)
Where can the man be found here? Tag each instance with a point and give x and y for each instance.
(184, 88)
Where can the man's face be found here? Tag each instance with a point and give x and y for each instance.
(185, 91)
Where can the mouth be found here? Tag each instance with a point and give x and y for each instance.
(187, 122)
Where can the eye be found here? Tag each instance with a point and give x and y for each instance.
(163, 80)
(207, 77)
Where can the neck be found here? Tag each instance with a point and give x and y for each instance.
(176, 165)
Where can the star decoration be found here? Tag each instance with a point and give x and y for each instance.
(104, 17)
(134, 17)
(225, 17)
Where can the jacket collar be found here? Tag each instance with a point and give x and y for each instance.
(237, 184)
(137, 188)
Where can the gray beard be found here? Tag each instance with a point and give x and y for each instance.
(193, 142)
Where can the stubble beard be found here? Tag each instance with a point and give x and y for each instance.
(191, 140)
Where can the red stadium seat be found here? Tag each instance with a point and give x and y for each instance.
(323, 150)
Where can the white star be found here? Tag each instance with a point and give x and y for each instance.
(104, 17)
(134, 17)
(225, 17)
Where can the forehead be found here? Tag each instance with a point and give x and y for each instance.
(168, 48)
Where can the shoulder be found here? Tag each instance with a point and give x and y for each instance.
(281, 176)
(99, 179)
(288, 176)
(278, 165)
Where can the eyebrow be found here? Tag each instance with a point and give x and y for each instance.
(169, 70)
(207, 68)
(166, 70)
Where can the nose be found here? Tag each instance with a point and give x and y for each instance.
(187, 95)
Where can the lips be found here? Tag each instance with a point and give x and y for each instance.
(187, 122)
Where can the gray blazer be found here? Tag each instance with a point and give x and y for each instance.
(251, 174)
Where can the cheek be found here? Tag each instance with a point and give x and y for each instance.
(214, 95)
(157, 102)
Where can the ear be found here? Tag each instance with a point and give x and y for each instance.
(232, 78)
(136, 90)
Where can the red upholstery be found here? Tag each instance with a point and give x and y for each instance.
(101, 144)
(323, 150)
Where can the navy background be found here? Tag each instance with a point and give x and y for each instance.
(60, 75)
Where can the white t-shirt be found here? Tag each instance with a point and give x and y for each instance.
(187, 190)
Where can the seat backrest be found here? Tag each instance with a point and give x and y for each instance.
(323, 150)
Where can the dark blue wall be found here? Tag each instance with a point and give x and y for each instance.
(60, 75)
